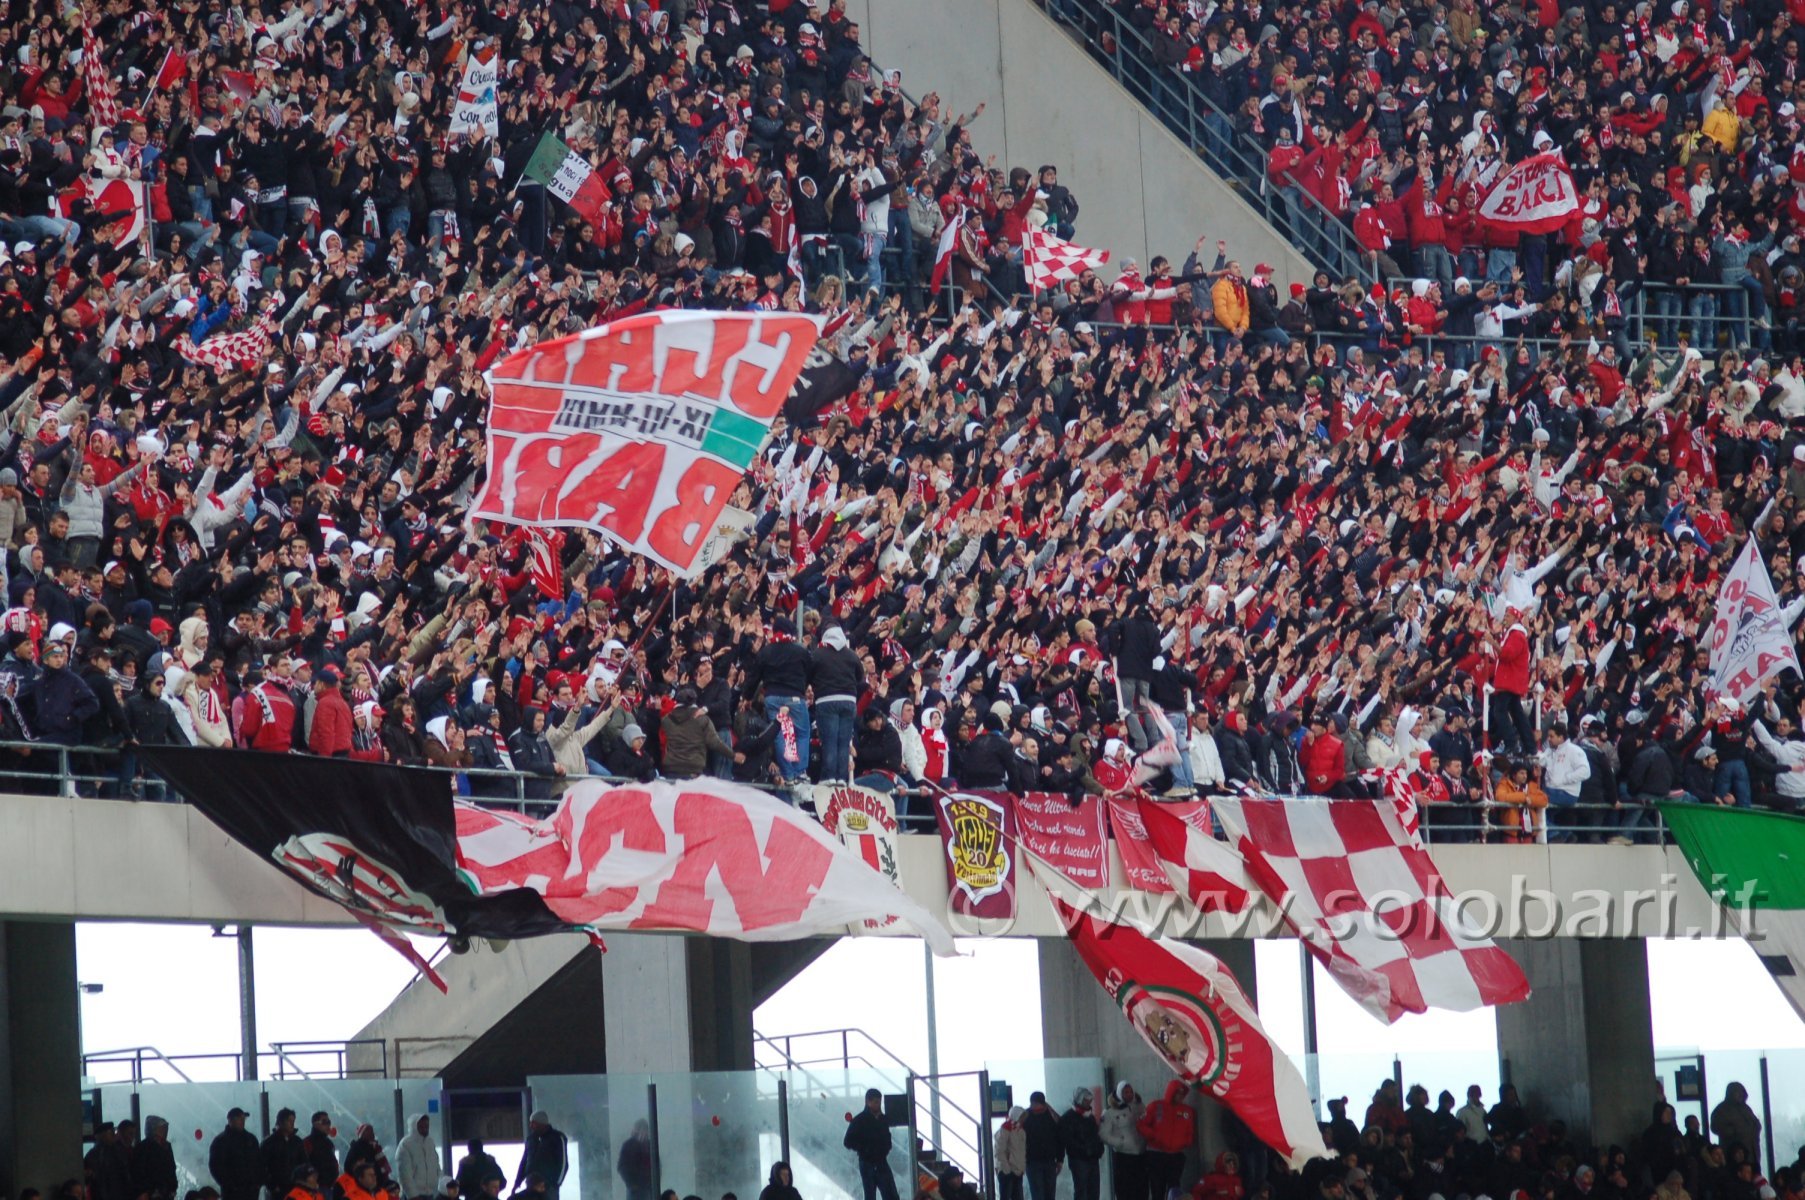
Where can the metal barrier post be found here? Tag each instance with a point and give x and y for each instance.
(783, 1117)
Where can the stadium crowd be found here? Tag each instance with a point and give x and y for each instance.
(1402, 1149)
(1679, 120)
(1023, 542)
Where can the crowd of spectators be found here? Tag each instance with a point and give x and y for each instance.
(1679, 121)
(1031, 540)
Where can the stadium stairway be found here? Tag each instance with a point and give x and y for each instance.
(1141, 189)
(489, 1031)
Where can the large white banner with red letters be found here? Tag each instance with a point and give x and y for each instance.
(700, 856)
(641, 428)
(1535, 196)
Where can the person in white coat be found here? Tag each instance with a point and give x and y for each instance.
(1564, 769)
(1011, 1144)
(1789, 751)
(417, 1160)
(1120, 1131)
(1206, 773)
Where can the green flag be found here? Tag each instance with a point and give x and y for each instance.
(548, 156)
(1752, 861)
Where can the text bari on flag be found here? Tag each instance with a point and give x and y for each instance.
(640, 429)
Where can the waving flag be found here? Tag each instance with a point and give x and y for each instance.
(1749, 640)
(227, 352)
(640, 429)
(943, 253)
(102, 103)
(568, 176)
(1754, 861)
(545, 555)
(1366, 899)
(1535, 196)
(476, 112)
(1188, 1007)
(173, 70)
(1202, 866)
(1047, 259)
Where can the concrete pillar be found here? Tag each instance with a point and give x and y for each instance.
(40, 1056)
(675, 1003)
(1582, 1047)
(1079, 1020)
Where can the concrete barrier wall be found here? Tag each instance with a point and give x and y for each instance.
(1140, 189)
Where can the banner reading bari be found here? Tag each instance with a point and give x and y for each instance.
(641, 428)
(1749, 640)
(1535, 196)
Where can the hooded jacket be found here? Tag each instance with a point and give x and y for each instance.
(1169, 1124)
(689, 737)
(416, 1161)
(1078, 1131)
(776, 1189)
(1011, 1143)
(1223, 1183)
(1120, 1128)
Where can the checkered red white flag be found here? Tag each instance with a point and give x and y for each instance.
(1047, 259)
(230, 351)
(103, 105)
(1365, 897)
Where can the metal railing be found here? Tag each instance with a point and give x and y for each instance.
(140, 1060)
(291, 1057)
(1183, 107)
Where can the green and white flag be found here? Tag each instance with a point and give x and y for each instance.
(1752, 862)
(568, 176)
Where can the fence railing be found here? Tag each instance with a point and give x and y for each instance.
(1183, 107)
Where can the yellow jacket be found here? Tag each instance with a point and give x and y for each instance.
(1723, 127)
(1231, 305)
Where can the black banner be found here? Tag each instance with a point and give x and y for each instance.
(378, 839)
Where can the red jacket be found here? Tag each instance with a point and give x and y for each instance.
(331, 735)
(1512, 672)
(1221, 1184)
(1169, 1125)
(1324, 762)
(269, 718)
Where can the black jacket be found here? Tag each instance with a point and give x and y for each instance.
(1045, 1143)
(783, 668)
(280, 1158)
(236, 1163)
(835, 674)
(1079, 1135)
(988, 762)
(1136, 642)
(153, 1169)
(878, 749)
(868, 1136)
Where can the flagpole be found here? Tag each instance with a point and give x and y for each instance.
(1312, 1064)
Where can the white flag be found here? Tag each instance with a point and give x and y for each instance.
(476, 111)
(943, 253)
(1749, 641)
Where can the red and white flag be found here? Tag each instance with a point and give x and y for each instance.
(1047, 259)
(943, 254)
(545, 555)
(642, 428)
(228, 352)
(1749, 640)
(1535, 196)
(125, 197)
(1365, 897)
(103, 105)
(1200, 865)
(172, 72)
(701, 856)
(1189, 1008)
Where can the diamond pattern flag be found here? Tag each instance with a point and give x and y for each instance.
(568, 176)
(102, 102)
(1203, 867)
(1365, 897)
(1048, 259)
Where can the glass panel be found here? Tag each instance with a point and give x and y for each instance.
(1059, 1078)
(597, 1113)
(1786, 1094)
(354, 1102)
(718, 1132)
(196, 1113)
(822, 1100)
(116, 1103)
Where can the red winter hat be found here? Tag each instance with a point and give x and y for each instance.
(334, 476)
(1297, 290)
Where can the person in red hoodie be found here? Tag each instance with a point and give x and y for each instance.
(330, 732)
(1323, 757)
(1510, 728)
(1427, 231)
(1223, 1183)
(1170, 1126)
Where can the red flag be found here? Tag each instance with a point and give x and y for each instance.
(545, 548)
(1365, 897)
(1205, 868)
(172, 72)
(943, 257)
(240, 86)
(1188, 1007)
(108, 196)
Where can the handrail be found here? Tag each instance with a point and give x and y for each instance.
(1176, 101)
